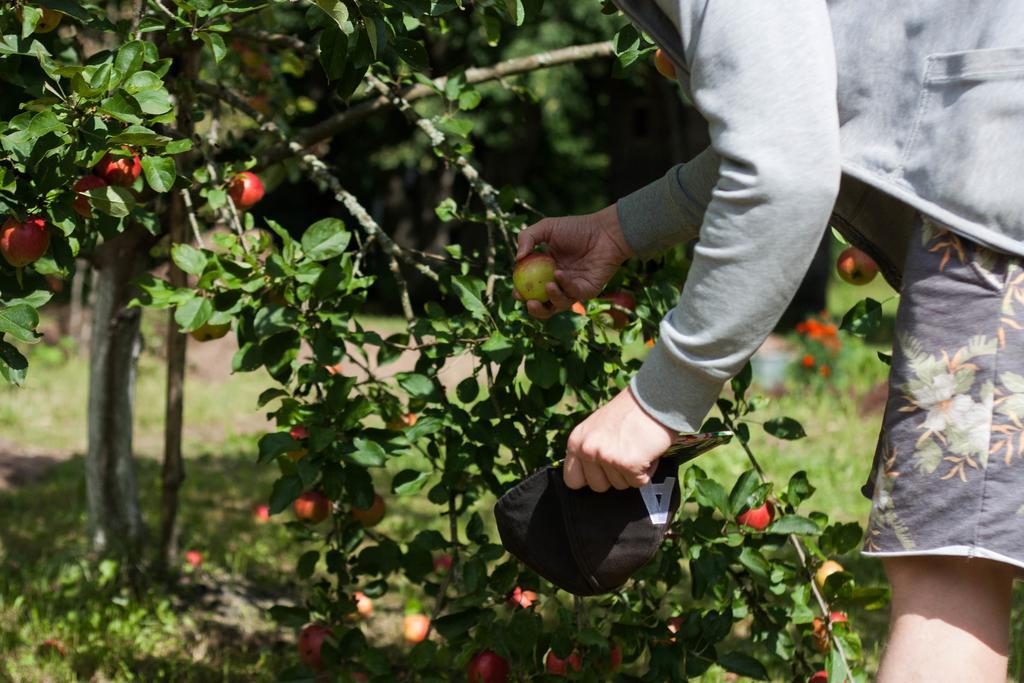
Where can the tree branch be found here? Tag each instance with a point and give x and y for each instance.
(335, 124)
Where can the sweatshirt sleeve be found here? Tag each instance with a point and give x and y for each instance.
(763, 76)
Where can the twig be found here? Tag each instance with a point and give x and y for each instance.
(191, 212)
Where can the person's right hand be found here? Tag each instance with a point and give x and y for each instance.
(587, 252)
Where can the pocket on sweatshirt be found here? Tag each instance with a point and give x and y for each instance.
(966, 149)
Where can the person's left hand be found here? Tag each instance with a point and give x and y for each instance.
(618, 446)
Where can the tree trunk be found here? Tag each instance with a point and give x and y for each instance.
(115, 521)
(173, 473)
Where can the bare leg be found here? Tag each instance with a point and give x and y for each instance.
(950, 620)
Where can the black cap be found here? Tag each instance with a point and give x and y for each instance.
(589, 543)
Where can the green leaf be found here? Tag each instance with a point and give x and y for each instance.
(470, 290)
(337, 11)
(863, 319)
(451, 626)
(307, 563)
(129, 58)
(325, 239)
(542, 368)
(416, 385)
(743, 492)
(216, 45)
(792, 524)
(409, 482)
(112, 200)
(141, 81)
(274, 444)
(193, 313)
(367, 454)
(285, 491)
(785, 428)
(799, 489)
(154, 102)
(19, 322)
(160, 172)
(743, 664)
(497, 348)
(189, 259)
(333, 52)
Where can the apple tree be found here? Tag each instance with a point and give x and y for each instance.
(135, 134)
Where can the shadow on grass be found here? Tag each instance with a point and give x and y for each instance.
(212, 626)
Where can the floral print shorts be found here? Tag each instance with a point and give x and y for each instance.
(948, 475)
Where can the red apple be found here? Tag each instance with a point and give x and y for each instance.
(531, 275)
(119, 170)
(311, 640)
(47, 23)
(757, 518)
(312, 507)
(372, 515)
(245, 190)
(415, 627)
(299, 433)
(556, 666)
(664, 65)
(261, 513)
(364, 605)
(614, 656)
(624, 300)
(487, 667)
(579, 309)
(822, 640)
(23, 243)
(521, 598)
(819, 677)
(856, 267)
(52, 646)
(402, 421)
(208, 332)
(194, 558)
(81, 204)
(443, 563)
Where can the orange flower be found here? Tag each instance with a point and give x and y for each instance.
(825, 371)
(807, 361)
(801, 328)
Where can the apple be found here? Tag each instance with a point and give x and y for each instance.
(487, 666)
(81, 204)
(52, 646)
(521, 598)
(757, 518)
(819, 677)
(614, 656)
(556, 666)
(312, 507)
(856, 267)
(443, 563)
(208, 331)
(47, 23)
(333, 369)
(364, 605)
(23, 243)
(415, 627)
(624, 300)
(820, 634)
(403, 421)
(119, 170)
(311, 640)
(827, 569)
(194, 558)
(664, 65)
(299, 433)
(372, 515)
(245, 190)
(531, 275)
(261, 513)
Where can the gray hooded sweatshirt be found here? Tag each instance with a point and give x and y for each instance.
(858, 111)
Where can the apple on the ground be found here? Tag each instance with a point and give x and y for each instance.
(531, 275)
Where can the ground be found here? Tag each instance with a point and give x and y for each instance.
(214, 626)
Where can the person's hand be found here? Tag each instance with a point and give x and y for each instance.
(618, 446)
(587, 252)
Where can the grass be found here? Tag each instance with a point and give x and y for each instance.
(213, 626)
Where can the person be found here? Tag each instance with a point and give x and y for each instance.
(902, 125)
